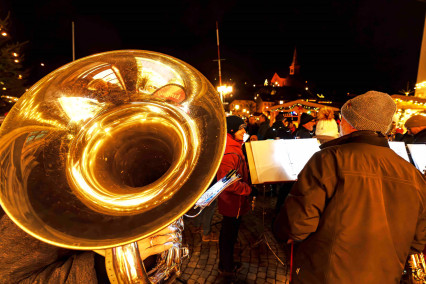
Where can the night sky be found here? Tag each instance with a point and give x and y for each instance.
(343, 46)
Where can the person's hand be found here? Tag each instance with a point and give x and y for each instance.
(253, 138)
(156, 244)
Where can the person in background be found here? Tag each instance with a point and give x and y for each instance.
(306, 126)
(234, 201)
(399, 133)
(416, 125)
(263, 126)
(252, 128)
(357, 208)
(25, 259)
(327, 128)
(290, 125)
(203, 221)
(278, 130)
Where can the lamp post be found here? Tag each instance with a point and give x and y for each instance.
(223, 91)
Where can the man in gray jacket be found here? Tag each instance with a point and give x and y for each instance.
(357, 209)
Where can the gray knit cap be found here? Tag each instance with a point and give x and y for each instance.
(416, 121)
(370, 111)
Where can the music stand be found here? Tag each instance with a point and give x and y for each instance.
(277, 161)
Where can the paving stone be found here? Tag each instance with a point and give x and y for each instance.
(280, 278)
(189, 270)
(198, 271)
(211, 261)
(205, 274)
(185, 276)
(251, 276)
(271, 273)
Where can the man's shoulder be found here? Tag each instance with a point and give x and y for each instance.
(420, 137)
(339, 150)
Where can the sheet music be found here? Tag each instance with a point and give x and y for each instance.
(418, 154)
(207, 198)
(282, 160)
(399, 148)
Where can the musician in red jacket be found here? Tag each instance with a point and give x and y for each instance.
(233, 202)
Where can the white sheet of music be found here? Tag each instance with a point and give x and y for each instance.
(282, 160)
(399, 148)
(418, 154)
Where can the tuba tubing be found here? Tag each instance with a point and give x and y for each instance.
(110, 149)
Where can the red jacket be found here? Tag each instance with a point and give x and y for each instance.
(234, 200)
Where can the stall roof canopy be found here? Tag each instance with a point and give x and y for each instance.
(409, 102)
(302, 102)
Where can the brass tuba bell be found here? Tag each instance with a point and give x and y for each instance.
(109, 149)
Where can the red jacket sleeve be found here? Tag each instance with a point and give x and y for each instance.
(230, 162)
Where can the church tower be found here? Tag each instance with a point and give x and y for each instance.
(294, 67)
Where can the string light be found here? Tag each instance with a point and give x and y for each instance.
(407, 108)
(421, 85)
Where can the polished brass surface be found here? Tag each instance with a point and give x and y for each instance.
(417, 268)
(109, 149)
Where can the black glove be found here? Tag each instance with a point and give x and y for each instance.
(254, 191)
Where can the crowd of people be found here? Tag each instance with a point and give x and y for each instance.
(324, 126)
(354, 215)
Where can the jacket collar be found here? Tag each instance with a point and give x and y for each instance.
(362, 136)
(230, 141)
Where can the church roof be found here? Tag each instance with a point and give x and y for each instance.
(302, 102)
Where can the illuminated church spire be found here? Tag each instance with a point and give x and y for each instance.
(294, 67)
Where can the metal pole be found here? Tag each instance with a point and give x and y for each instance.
(218, 54)
(73, 42)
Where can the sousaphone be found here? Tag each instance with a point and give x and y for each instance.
(109, 149)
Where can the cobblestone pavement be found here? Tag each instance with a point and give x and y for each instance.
(255, 249)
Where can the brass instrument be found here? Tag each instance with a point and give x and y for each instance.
(110, 149)
(417, 268)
